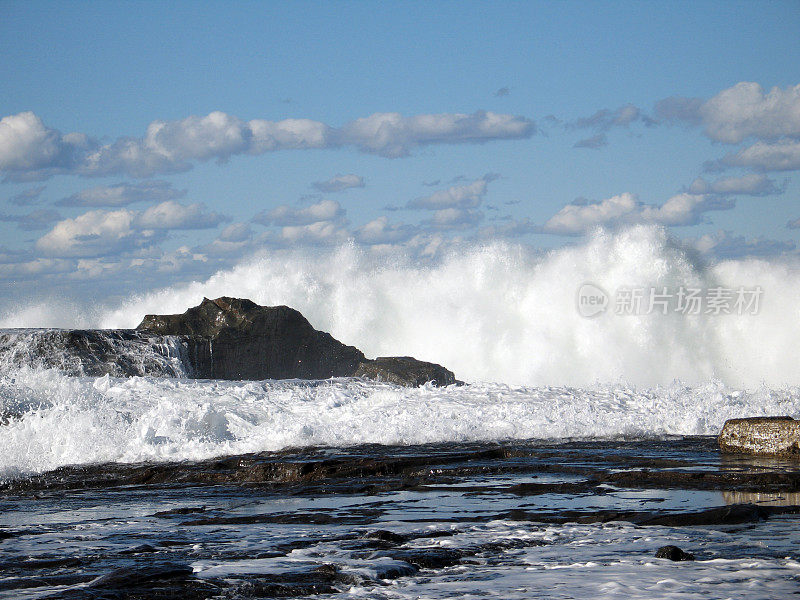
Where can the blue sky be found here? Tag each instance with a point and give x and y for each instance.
(145, 143)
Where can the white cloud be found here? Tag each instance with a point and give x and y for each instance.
(457, 196)
(740, 112)
(574, 219)
(172, 215)
(29, 149)
(123, 194)
(745, 110)
(236, 232)
(284, 215)
(380, 231)
(728, 245)
(747, 185)
(339, 183)
(510, 228)
(96, 233)
(36, 268)
(455, 218)
(321, 233)
(763, 156)
(393, 135)
(101, 232)
(290, 134)
(682, 209)
(27, 145)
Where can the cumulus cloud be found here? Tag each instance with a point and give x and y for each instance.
(682, 209)
(457, 196)
(339, 183)
(740, 112)
(234, 240)
(29, 149)
(380, 231)
(27, 197)
(36, 268)
(288, 216)
(123, 194)
(728, 245)
(320, 233)
(576, 218)
(393, 135)
(236, 232)
(102, 232)
(511, 228)
(96, 233)
(745, 112)
(762, 156)
(38, 219)
(747, 185)
(173, 215)
(455, 218)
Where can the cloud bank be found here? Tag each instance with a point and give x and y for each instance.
(30, 150)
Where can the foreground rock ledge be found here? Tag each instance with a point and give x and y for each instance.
(233, 338)
(776, 436)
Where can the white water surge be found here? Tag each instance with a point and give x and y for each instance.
(501, 317)
(54, 420)
(506, 313)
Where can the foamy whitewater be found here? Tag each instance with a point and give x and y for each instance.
(502, 317)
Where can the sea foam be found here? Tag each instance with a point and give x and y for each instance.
(505, 313)
(52, 419)
(501, 316)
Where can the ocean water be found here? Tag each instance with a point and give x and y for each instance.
(508, 321)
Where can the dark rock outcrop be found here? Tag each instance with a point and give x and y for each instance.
(226, 338)
(94, 352)
(673, 553)
(404, 370)
(232, 338)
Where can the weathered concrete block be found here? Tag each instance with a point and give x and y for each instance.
(778, 436)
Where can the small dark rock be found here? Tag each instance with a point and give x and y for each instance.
(425, 558)
(393, 569)
(385, 536)
(135, 577)
(673, 553)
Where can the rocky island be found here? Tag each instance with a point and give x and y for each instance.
(226, 338)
